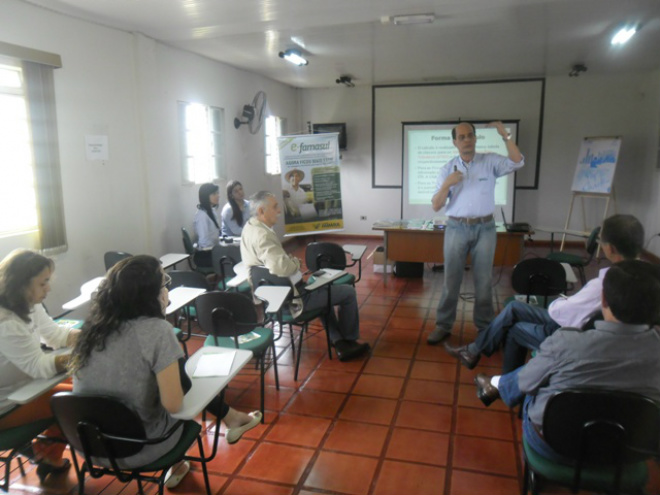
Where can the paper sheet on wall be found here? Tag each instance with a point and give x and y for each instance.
(217, 364)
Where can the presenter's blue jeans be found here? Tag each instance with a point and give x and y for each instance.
(479, 242)
(518, 327)
(511, 395)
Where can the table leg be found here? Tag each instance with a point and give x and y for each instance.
(385, 263)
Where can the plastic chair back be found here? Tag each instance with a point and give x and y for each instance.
(325, 255)
(83, 418)
(187, 242)
(111, 258)
(187, 278)
(539, 276)
(592, 244)
(602, 427)
(225, 314)
(223, 259)
(590, 324)
(260, 275)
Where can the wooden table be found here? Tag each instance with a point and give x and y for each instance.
(426, 246)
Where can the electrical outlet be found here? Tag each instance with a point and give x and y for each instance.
(363, 217)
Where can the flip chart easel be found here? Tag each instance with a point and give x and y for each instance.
(594, 176)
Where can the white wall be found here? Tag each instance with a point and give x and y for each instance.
(126, 86)
(591, 105)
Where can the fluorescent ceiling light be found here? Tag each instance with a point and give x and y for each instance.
(623, 35)
(400, 20)
(293, 56)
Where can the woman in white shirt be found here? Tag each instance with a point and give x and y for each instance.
(235, 212)
(207, 226)
(24, 284)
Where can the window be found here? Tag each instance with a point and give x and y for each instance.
(18, 200)
(202, 142)
(274, 126)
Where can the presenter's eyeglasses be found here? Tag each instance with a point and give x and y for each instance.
(166, 281)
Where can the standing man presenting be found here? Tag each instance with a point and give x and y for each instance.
(467, 185)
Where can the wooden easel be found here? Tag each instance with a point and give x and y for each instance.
(585, 230)
(594, 176)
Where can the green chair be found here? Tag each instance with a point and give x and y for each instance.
(606, 437)
(224, 258)
(260, 275)
(538, 279)
(104, 430)
(189, 247)
(319, 255)
(13, 440)
(577, 261)
(186, 278)
(230, 320)
(111, 258)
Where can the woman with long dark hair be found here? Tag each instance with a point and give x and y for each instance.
(236, 212)
(24, 284)
(207, 226)
(128, 350)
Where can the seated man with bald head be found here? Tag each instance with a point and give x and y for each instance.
(260, 246)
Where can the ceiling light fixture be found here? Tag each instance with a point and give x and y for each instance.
(293, 56)
(623, 35)
(402, 20)
(346, 81)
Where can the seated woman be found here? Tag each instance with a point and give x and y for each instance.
(236, 212)
(128, 350)
(24, 323)
(207, 226)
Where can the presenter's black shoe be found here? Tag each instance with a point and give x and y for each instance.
(466, 358)
(437, 336)
(350, 349)
(486, 392)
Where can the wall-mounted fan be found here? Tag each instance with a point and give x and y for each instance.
(253, 114)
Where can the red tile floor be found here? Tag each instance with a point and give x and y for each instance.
(404, 420)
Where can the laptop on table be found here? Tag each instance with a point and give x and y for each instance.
(516, 226)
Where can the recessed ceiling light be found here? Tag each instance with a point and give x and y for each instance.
(293, 56)
(400, 20)
(623, 35)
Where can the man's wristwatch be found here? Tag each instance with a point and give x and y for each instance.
(506, 138)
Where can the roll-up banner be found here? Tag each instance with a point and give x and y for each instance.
(311, 185)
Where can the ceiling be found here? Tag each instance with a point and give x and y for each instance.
(469, 40)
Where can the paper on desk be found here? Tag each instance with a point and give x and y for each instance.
(217, 364)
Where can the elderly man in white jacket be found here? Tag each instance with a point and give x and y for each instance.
(260, 246)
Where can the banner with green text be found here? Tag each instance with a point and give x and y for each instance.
(311, 184)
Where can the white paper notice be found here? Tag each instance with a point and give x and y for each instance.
(218, 364)
(96, 148)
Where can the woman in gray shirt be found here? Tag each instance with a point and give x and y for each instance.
(128, 350)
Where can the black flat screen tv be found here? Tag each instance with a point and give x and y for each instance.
(340, 128)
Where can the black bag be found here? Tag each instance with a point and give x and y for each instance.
(408, 269)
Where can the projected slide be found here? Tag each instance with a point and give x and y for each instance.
(427, 147)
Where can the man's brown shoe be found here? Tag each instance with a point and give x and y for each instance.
(486, 392)
(464, 356)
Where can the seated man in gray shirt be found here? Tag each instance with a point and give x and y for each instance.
(621, 353)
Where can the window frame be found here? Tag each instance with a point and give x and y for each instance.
(216, 166)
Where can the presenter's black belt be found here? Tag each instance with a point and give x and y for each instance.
(473, 220)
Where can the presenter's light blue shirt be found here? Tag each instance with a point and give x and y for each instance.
(474, 196)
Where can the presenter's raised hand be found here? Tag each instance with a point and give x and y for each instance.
(501, 130)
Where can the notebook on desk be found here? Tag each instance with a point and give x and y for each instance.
(516, 226)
